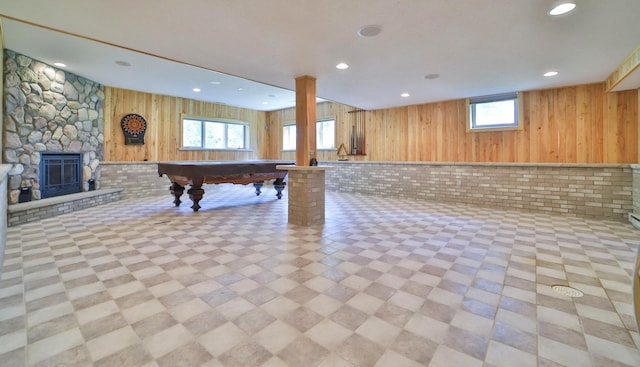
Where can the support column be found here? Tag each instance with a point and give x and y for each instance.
(305, 120)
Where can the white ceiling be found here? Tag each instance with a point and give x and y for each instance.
(478, 47)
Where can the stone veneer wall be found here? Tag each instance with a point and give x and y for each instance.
(138, 179)
(48, 110)
(582, 190)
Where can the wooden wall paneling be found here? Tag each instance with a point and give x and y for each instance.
(119, 103)
(376, 141)
(425, 139)
(610, 143)
(393, 126)
(621, 145)
(416, 134)
(440, 131)
(522, 138)
(581, 124)
(630, 107)
(397, 127)
(459, 140)
(167, 116)
(550, 135)
(447, 135)
(566, 125)
(538, 116)
(431, 125)
(274, 135)
(587, 128)
(163, 137)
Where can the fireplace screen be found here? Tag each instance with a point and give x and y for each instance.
(60, 174)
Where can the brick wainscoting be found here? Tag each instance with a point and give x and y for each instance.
(138, 179)
(582, 190)
(50, 207)
(591, 191)
(4, 199)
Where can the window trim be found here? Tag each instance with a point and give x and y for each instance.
(320, 119)
(518, 113)
(224, 121)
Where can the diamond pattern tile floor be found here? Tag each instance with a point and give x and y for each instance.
(384, 282)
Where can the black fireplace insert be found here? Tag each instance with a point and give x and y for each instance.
(60, 174)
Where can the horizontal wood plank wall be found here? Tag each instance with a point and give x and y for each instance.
(163, 136)
(578, 124)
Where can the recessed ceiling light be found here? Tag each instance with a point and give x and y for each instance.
(240, 89)
(215, 82)
(405, 95)
(342, 66)
(123, 63)
(562, 8)
(550, 73)
(369, 31)
(432, 76)
(196, 90)
(60, 65)
(265, 103)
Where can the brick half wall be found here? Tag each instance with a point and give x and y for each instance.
(589, 191)
(137, 179)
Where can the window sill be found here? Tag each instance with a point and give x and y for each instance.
(319, 150)
(214, 149)
(495, 129)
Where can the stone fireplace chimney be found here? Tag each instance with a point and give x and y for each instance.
(48, 110)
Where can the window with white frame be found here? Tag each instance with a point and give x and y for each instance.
(494, 112)
(198, 133)
(325, 135)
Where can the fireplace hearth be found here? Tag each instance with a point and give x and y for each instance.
(60, 174)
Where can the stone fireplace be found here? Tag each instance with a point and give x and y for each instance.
(48, 110)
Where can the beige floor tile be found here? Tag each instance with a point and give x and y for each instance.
(447, 357)
(381, 283)
(222, 339)
(379, 331)
(112, 342)
(276, 336)
(328, 334)
(167, 340)
(189, 309)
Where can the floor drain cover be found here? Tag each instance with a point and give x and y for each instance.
(567, 291)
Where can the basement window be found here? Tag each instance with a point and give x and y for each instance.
(325, 135)
(494, 112)
(200, 133)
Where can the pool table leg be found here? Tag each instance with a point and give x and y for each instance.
(176, 191)
(195, 194)
(279, 185)
(258, 186)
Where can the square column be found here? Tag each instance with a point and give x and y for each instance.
(306, 194)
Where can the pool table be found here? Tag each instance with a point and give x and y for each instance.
(197, 173)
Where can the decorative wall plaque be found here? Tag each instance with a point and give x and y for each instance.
(133, 126)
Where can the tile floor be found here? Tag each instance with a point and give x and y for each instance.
(384, 282)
